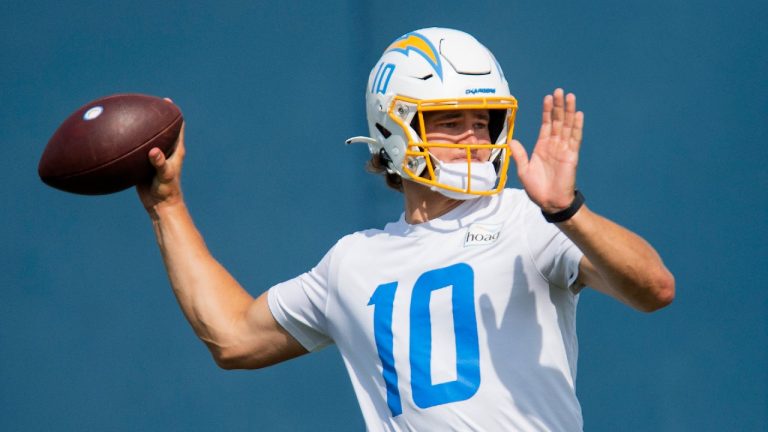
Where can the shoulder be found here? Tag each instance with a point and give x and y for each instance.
(359, 240)
(356, 238)
(349, 252)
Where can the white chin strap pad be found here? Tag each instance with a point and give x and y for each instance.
(454, 174)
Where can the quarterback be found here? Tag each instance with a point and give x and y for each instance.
(460, 315)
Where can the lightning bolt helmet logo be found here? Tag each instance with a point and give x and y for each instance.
(420, 45)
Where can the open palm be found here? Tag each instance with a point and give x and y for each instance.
(549, 176)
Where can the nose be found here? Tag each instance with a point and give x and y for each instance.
(469, 137)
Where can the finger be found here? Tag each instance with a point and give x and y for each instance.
(520, 156)
(570, 112)
(179, 148)
(546, 118)
(577, 132)
(558, 109)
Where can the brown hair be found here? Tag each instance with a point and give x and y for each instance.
(377, 165)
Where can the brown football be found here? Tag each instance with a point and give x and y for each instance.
(102, 147)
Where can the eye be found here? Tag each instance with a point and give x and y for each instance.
(446, 124)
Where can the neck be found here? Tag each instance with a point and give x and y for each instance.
(423, 204)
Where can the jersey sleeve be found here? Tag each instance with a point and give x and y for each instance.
(298, 305)
(555, 255)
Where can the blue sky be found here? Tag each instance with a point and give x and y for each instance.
(91, 337)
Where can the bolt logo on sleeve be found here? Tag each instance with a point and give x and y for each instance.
(421, 45)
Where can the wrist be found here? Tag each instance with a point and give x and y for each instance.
(566, 213)
(166, 208)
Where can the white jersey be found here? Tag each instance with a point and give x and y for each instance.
(465, 322)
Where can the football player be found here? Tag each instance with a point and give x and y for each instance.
(461, 314)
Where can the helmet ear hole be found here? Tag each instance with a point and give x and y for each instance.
(384, 131)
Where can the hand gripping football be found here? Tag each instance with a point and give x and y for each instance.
(102, 147)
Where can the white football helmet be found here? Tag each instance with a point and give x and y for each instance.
(436, 69)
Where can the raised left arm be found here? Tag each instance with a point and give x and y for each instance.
(616, 261)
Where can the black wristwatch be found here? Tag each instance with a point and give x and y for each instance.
(567, 213)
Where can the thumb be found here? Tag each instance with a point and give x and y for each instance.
(157, 159)
(160, 162)
(520, 156)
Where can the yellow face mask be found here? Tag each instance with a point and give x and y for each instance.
(420, 165)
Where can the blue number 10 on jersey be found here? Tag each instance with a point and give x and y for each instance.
(425, 394)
